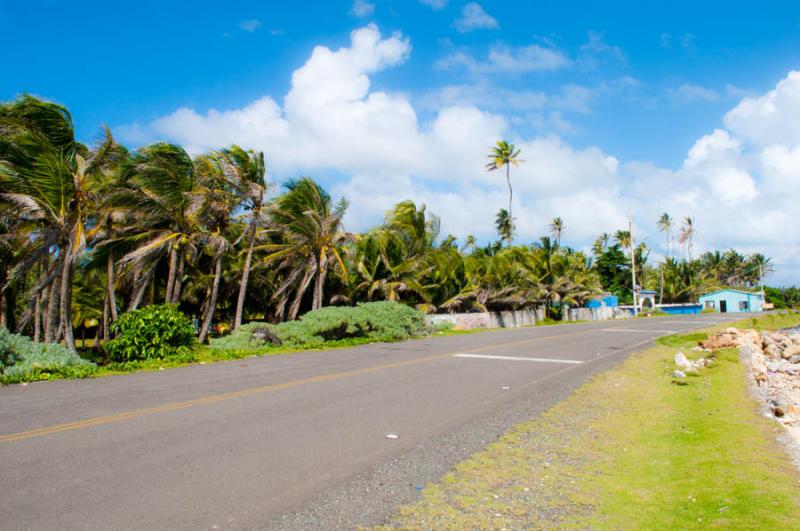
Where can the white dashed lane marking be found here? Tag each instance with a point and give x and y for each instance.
(638, 330)
(515, 358)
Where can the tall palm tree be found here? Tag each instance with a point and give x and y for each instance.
(664, 225)
(687, 235)
(51, 178)
(310, 225)
(504, 226)
(504, 154)
(556, 229)
(246, 171)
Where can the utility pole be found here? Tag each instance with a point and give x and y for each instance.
(633, 267)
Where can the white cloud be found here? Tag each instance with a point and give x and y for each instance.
(688, 93)
(473, 17)
(740, 183)
(362, 8)
(507, 60)
(434, 4)
(597, 50)
(772, 118)
(250, 25)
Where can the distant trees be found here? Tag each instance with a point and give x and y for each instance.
(90, 232)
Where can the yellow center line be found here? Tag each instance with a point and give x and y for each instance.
(211, 399)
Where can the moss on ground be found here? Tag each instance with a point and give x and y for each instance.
(631, 449)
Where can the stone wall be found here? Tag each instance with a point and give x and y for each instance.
(469, 321)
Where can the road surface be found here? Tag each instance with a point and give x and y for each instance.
(290, 441)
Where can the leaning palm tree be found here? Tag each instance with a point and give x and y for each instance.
(246, 172)
(504, 154)
(311, 232)
(504, 226)
(52, 179)
(556, 229)
(160, 191)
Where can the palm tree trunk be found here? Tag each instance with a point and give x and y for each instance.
(298, 297)
(237, 322)
(140, 286)
(106, 318)
(51, 323)
(37, 318)
(66, 297)
(110, 280)
(176, 289)
(319, 283)
(212, 300)
(510, 197)
(173, 262)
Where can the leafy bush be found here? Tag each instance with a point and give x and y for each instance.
(22, 360)
(373, 321)
(152, 332)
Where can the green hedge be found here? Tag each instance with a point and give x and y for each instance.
(22, 360)
(152, 332)
(372, 321)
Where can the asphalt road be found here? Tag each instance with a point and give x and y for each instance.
(292, 441)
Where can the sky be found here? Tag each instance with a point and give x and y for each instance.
(689, 108)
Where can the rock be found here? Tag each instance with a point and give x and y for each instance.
(778, 407)
(681, 360)
(264, 335)
(795, 359)
(791, 351)
(678, 374)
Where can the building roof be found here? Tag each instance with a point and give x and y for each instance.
(730, 289)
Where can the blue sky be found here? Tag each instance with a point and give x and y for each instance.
(614, 96)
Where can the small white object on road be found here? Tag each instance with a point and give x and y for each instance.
(506, 387)
(392, 436)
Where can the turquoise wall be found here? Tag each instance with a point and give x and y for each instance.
(734, 300)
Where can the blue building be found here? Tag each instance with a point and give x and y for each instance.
(732, 300)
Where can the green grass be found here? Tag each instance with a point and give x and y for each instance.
(630, 450)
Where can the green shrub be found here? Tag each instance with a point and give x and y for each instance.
(152, 332)
(372, 321)
(22, 360)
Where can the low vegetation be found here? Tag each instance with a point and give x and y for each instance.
(631, 449)
(22, 360)
(375, 321)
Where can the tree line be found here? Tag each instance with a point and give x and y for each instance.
(90, 232)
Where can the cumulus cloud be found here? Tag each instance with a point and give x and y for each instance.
(473, 17)
(741, 183)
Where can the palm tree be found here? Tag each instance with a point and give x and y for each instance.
(623, 238)
(504, 154)
(664, 224)
(504, 226)
(310, 226)
(246, 171)
(687, 235)
(556, 229)
(470, 243)
(161, 192)
(51, 179)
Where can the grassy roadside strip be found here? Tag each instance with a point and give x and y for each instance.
(630, 449)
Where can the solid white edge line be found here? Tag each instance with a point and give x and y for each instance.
(514, 358)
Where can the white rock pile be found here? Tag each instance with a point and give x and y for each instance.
(775, 365)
